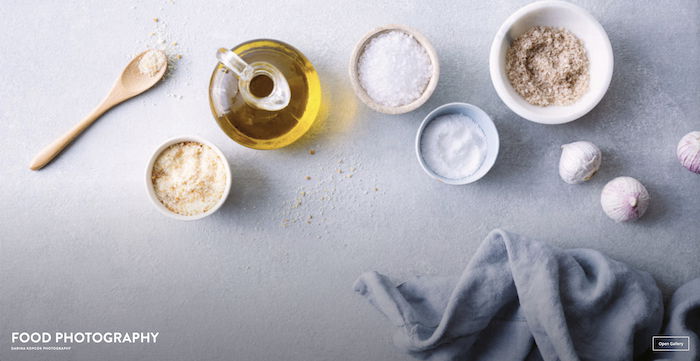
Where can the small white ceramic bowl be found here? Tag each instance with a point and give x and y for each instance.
(580, 23)
(482, 120)
(355, 78)
(149, 183)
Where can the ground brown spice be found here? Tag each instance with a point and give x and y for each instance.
(548, 66)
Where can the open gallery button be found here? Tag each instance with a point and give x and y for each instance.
(670, 343)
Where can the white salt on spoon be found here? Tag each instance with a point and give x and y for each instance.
(135, 79)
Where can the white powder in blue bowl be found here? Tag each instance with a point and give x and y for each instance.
(453, 146)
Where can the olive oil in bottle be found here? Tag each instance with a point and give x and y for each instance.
(242, 113)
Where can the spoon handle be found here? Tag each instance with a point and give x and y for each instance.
(52, 150)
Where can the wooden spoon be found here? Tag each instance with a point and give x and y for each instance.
(130, 83)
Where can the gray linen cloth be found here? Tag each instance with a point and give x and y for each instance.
(683, 319)
(520, 299)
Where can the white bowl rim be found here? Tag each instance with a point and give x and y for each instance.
(499, 82)
(494, 145)
(149, 184)
(360, 91)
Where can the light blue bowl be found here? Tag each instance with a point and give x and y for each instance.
(482, 120)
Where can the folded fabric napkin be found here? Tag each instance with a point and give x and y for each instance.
(520, 299)
(683, 319)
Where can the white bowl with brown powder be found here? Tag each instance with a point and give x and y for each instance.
(188, 178)
(551, 62)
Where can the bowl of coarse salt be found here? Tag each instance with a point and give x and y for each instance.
(394, 69)
(551, 62)
(457, 143)
(188, 178)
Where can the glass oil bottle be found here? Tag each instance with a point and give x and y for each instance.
(264, 94)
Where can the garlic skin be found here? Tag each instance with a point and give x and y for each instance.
(624, 199)
(688, 151)
(579, 161)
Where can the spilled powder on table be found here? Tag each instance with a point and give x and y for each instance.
(327, 188)
(162, 37)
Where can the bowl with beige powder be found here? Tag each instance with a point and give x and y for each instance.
(551, 62)
(188, 178)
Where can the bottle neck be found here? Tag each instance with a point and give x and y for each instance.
(278, 97)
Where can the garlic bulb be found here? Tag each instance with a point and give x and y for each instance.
(624, 199)
(688, 151)
(579, 161)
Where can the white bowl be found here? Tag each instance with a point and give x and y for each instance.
(482, 120)
(149, 183)
(355, 78)
(580, 23)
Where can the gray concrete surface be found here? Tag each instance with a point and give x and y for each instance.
(81, 248)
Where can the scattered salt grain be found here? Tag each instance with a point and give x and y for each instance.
(394, 69)
(453, 146)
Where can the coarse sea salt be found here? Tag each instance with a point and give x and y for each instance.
(394, 69)
(453, 146)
